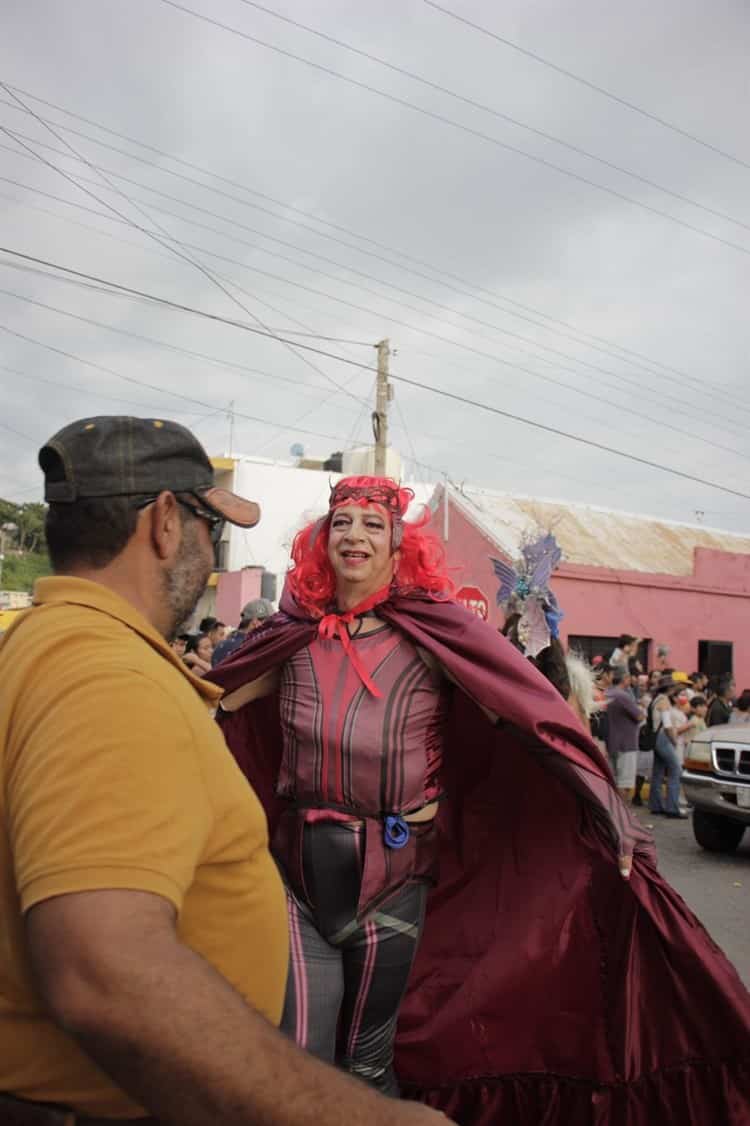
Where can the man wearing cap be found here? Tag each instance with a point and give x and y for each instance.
(143, 934)
(254, 614)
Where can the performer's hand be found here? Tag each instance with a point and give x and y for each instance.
(626, 864)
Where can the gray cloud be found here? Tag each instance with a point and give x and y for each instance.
(515, 231)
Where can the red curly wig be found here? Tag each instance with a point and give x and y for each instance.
(421, 562)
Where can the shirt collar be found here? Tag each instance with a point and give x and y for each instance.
(60, 590)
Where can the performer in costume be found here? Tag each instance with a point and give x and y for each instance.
(362, 713)
(546, 987)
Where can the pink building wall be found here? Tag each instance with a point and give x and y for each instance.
(712, 604)
(234, 590)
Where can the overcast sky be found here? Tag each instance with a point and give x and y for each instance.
(494, 276)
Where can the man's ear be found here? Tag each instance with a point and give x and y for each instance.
(166, 525)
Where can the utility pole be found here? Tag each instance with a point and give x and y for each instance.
(380, 414)
(231, 428)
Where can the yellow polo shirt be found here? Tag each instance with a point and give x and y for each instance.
(114, 775)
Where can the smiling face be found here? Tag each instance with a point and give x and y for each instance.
(359, 549)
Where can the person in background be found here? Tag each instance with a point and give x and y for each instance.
(699, 683)
(681, 716)
(626, 648)
(623, 719)
(598, 722)
(178, 645)
(254, 614)
(698, 709)
(741, 709)
(215, 629)
(653, 680)
(198, 653)
(720, 709)
(646, 735)
(666, 759)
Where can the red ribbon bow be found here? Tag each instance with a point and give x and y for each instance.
(337, 624)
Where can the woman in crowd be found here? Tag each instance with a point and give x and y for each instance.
(667, 762)
(198, 652)
(399, 742)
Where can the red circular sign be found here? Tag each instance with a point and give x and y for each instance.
(473, 599)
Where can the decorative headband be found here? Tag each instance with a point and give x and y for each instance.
(524, 590)
(393, 498)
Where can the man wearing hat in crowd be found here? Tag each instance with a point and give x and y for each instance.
(254, 614)
(143, 932)
(666, 757)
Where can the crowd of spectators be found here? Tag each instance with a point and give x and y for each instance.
(644, 721)
(214, 640)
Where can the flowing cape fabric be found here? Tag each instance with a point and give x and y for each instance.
(547, 990)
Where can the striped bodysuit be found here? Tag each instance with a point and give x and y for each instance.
(356, 906)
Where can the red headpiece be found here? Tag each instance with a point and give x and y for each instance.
(379, 490)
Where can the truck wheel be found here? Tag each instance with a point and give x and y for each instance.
(716, 833)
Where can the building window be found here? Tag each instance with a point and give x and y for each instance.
(714, 657)
(590, 647)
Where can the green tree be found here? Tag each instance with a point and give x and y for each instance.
(31, 527)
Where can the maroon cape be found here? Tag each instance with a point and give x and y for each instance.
(547, 990)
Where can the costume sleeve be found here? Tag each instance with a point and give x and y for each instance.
(104, 788)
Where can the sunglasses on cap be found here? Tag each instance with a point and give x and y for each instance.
(215, 523)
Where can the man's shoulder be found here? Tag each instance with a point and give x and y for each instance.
(78, 646)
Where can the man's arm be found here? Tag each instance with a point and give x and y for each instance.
(172, 1033)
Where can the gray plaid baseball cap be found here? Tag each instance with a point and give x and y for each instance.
(120, 456)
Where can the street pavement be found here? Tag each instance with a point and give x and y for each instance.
(714, 885)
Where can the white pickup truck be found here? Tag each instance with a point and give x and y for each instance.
(716, 779)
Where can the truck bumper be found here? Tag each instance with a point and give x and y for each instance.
(718, 795)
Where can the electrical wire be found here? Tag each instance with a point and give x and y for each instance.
(438, 391)
(18, 433)
(493, 112)
(444, 308)
(477, 292)
(156, 387)
(459, 125)
(566, 387)
(595, 367)
(96, 393)
(151, 234)
(585, 82)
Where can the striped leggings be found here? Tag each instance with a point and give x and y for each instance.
(347, 978)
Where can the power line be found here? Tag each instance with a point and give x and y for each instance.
(95, 392)
(486, 407)
(459, 125)
(493, 112)
(18, 433)
(156, 387)
(622, 352)
(151, 234)
(557, 352)
(537, 375)
(359, 273)
(585, 82)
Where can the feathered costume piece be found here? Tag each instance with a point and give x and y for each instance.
(524, 590)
